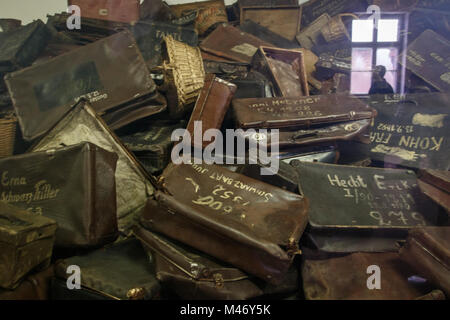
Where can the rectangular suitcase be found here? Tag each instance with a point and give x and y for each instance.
(267, 35)
(73, 185)
(411, 130)
(109, 73)
(427, 251)
(436, 185)
(239, 220)
(111, 10)
(35, 286)
(193, 275)
(26, 242)
(298, 112)
(285, 68)
(131, 181)
(372, 208)
(121, 271)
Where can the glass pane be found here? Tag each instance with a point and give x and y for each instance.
(387, 57)
(361, 59)
(387, 30)
(362, 31)
(360, 82)
(391, 78)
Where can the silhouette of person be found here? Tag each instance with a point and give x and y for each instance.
(379, 83)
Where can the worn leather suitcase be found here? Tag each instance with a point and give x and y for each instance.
(285, 68)
(209, 13)
(35, 286)
(111, 10)
(327, 66)
(251, 88)
(283, 20)
(109, 73)
(122, 271)
(343, 131)
(373, 208)
(131, 181)
(436, 185)
(150, 34)
(298, 112)
(311, 35)
(427, 57)
(230, 43)
(411, 130)
(73, 185)
(346, 278)
(210, 108)
(26, 242)
(315, 153)
(267, 35)
(241, 221)
(152, 148)
(156, 10)
(194, 275)
(427, 251)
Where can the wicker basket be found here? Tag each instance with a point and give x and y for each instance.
(185, 74)
(7, 135)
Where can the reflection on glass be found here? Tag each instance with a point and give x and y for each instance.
(387, 30)
(361, 59)
(360, 82)
(391, 78)
(387, 57)
(362, 31)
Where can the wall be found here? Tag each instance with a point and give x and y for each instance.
(28, 10)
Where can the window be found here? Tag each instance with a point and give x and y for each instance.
(376, 44)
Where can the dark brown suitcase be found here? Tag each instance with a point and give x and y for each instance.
(427, 251)
(109, 73)
(131, 181)
(229, 42)
(372, 208)
(193, 275)
(111, 10)
(436, 185)
(346, 278)
(35, 286)
(427, 57)
(229, 216)
(26, 242)
(267, 35)
(285, 68)
(156, 10)
(298, 112)
(283, 20)
(73, 185)
(210, 108)
(411, 130)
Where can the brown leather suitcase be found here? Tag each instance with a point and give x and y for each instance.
(73, 185)
(436, 185)
(35, 286)
(209, 13)
(298, 112)
(110, 72)
(346, 278)
(427, 251)
(231, 43)
(131, 181)
(210, 108)
(111, 10)
(285, 68)
(26, 242)
(193, 275)
(283, 20)
(241, 221)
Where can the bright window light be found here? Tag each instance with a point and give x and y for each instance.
(362, 30)
(387, 30)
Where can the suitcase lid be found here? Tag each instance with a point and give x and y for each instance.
(435, 241)
(19, 227)
(364, 198)
(298, 112)
(91, 71)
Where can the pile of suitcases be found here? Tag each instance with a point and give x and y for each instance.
(94, 206)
